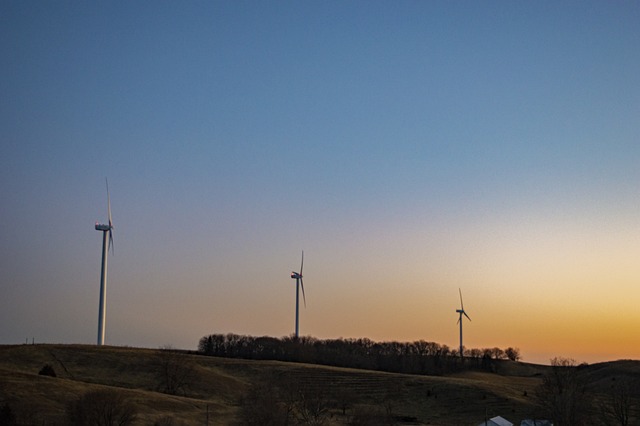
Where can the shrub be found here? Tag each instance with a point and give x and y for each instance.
(47, 370)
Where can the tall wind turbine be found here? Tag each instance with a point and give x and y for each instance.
(106, 229)
(298, 277)
(461, 312)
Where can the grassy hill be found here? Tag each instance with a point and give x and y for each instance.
(217, 389)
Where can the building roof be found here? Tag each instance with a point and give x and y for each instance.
(496, 421)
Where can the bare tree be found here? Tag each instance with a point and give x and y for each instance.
(313, 405)
(513, 354)
(498, 353)
(475, 353)
(263, 406)
(105, 407)
(344, 398)
(175, 371)
(563, 394)
(618, 406)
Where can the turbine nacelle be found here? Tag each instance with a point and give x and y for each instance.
(109, 227)
(461, 312)
(299, 285)
(101, 227)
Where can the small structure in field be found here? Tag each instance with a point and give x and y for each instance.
(496, 421)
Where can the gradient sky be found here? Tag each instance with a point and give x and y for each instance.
(410, 148)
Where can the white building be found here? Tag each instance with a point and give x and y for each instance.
(496, 421)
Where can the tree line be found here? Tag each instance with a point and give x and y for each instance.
(418, 357)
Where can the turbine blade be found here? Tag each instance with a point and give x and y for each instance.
(303, 296)
(110, 220)
(465, 314)
(109, 204)
(111, 246)
(302, 263)
(461, 305)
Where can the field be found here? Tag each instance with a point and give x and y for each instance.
(215, 390)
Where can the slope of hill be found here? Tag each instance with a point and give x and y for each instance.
(80, 369)
(217, 388)
(604, 372)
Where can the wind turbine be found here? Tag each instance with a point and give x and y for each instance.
(461, 312)
(106, 229)
(298, 277)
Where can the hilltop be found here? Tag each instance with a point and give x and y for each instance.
(220, 389)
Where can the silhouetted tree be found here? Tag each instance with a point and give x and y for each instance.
(101, 408)
(174, 371)
(344, 398)
(313, 405)
(419, 357)
(497, 353)
(263, 406)
(475, 353)
(512, 353)
(619, 406)
(563, 394)
(205, 345)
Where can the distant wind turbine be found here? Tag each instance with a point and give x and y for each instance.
(461, 312)
(106, 229)
(298, 277)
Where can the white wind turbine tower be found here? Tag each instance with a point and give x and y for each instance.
(298, 277)
(461, 312)
(106, 229)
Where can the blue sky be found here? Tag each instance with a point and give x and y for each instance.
(410, 148)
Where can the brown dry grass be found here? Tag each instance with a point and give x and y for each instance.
(220, 383)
